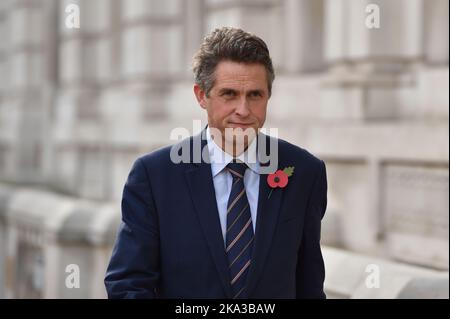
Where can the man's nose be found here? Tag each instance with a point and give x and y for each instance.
(242, 107)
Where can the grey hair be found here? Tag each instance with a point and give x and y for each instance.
(234, 45)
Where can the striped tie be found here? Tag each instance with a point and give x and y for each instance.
(239, 234)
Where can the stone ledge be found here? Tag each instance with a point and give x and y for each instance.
(347, 272)
(68, 220)
(58, 217)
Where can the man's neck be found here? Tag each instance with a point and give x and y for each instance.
(230, 147)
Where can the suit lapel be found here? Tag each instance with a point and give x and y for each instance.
(201, 186)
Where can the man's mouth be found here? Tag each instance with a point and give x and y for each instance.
(242, 125)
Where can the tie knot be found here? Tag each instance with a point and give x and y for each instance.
(237, 169)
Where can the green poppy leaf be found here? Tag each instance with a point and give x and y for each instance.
(289, 171)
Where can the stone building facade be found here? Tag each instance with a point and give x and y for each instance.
(78, 105)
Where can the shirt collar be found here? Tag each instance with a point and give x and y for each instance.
(220, 159)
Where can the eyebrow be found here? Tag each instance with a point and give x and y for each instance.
(222, 90)
(227, 90)
(256, 91)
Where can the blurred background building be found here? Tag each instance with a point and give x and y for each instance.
(77, 106)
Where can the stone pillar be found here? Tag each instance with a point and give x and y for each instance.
(371, 69)
(434, 75)
(370, 72)
(381, 86)
(193, 31)
(436, 32)
(150, 56)
(262, 17)
(7, 111)
(85, 66)
(303, 35)
(24, 66)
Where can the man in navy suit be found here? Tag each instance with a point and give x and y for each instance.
(228, 213)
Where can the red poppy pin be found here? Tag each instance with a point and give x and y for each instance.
(280, 178)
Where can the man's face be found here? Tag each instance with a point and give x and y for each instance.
(238, 98)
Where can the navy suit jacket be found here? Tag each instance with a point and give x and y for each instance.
(170, 243)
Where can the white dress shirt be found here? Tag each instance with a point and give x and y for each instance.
(223, 180)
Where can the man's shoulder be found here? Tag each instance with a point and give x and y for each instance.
(166, 156)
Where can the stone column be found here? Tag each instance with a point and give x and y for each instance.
(150, 57)
(370, 78)
(382, 90)
(85, 66)
(371, 68)
(436, 32)
(434, 71)
(262, 17)
(7, 110)
(23, 67)
(303, 35)
(193, 31)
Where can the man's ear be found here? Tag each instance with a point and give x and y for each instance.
(200, 95)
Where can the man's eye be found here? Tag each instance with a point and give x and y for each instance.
(255, 94)
(228, 93)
